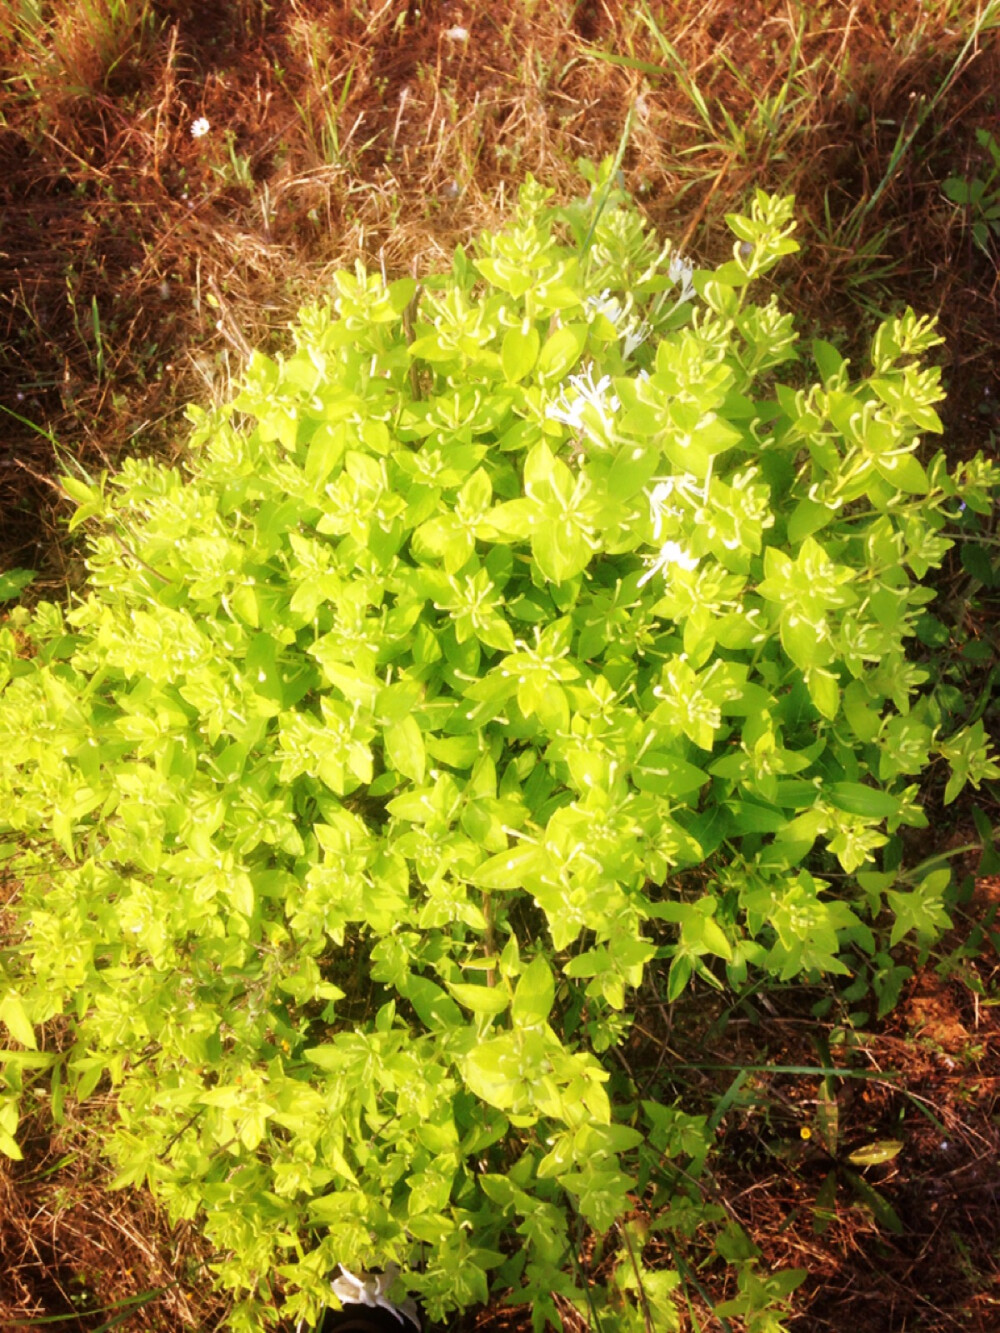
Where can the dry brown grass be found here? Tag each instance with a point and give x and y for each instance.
(71, 1248)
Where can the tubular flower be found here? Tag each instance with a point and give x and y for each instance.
(682, 270)
(632, 331)
(671, 553)
(573, 412)
(370, 1289)
(683, 487)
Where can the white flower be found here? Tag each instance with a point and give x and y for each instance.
(609, 305)
(684, 486)
(632, 331)
(370, 1289)
(671, 553)
(681, 270)
(457, 34)
(200, 128)
(658, 498)
(570, 411)
(634, 336)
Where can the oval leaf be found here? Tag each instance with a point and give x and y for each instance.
(874, 1154)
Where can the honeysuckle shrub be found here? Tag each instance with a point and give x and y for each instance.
(519, 641)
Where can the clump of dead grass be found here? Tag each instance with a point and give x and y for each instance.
(74, 1250)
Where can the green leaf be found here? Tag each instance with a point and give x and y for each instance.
(882, 1210)
(905, 472)
(631, 471)
(856, 798)
(519, 352)
(803, 641)
(13, 582)
(824, 692)
(9, 1148)
(603, 1195)
(433, 1005)
(828, 1116)
(922, 910)
(32, 1059)
(240, 889)
(989, 862)
(534, 994)
(328, 1057)
(860, 711)
(749, 817)
(79, 491)
(561, 550)
(825, 1208)
(481, 999)
(977, 562)
(487, 1071)
(678, 976)
(827, 358)
(401, 293)
(731, 275)
(404, 748)
(93, 1069)
(326, 449)
(714, 939)
(513, 520)
(874, 1154)
(561, 352)
(15, 1016)
(968, 753)
(510, 869)
(666, 775)
(807, 517)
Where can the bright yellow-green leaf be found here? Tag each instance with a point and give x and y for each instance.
(15, 1016)
(9, 1148)
(519, 352)
(481, 999)
(404, 748)
(874, 1154)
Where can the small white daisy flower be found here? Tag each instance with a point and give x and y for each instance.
(200, 128)
(457, 34)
